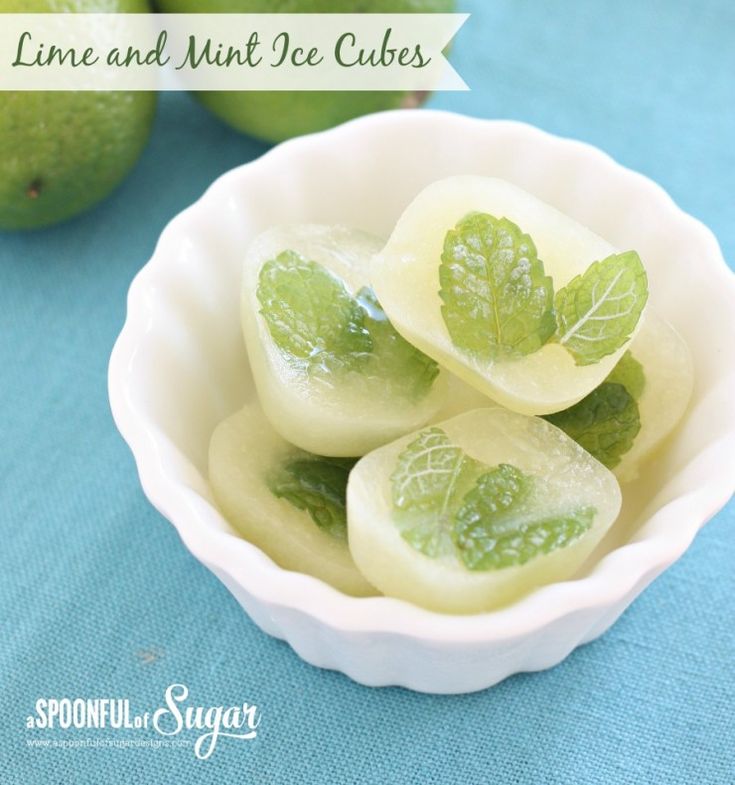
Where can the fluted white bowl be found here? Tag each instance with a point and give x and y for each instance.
(179, 366)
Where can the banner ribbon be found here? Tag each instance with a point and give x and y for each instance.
(228, 51)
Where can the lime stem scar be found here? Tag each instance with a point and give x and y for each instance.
(34, 189)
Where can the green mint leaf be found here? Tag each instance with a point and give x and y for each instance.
(605, 422)
(429, 479)
(598, 310)
(318, 486)
(313, 319)
(310, 315)
(487, 542)
(447, 503)
(406, 370)
(427, 472)
(495, 491)
(429, 536)
(629, 372)
(497, 301)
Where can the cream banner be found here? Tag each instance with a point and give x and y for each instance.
(227, 51)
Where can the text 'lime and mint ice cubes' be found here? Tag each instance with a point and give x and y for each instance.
(476, 511)
(624, 420)
(333, 376)
(287, 502)
(514, 297)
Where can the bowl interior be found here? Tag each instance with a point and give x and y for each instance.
(191, 370)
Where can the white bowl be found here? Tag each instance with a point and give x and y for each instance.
(179, 367)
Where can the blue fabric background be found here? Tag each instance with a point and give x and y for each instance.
(99, 597)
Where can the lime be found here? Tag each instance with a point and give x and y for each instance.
(275, 116)
(62, 152)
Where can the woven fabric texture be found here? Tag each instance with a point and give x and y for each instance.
(98, 596)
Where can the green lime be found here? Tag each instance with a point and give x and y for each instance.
(62, 152)
(275, 116)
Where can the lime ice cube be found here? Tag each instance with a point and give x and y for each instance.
(248, 465)
(624, 420)
(406, 279)
(332, 374)
(473, 513)
(669, 380)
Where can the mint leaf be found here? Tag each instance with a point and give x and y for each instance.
(450, 504)
(406, 370)
(314, 320)
(497, 301)
(427, 472)
(319, 486)
(492, 541)
(498, 490)
(598, 310)
(629, 372)
(427, 483)
(605, 422)
(310, 315)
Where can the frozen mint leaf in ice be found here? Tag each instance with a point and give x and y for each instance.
(310, 315)
(429, 479)
(318, 486)
(405, 369)
(497, 300)
(597, 311)
(493, 529)
(605, 422)
(449, 504)
(484, 548)
(629, 372)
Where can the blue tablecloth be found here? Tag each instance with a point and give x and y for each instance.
(98, 597)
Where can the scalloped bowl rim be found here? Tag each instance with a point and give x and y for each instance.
(655, 546)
